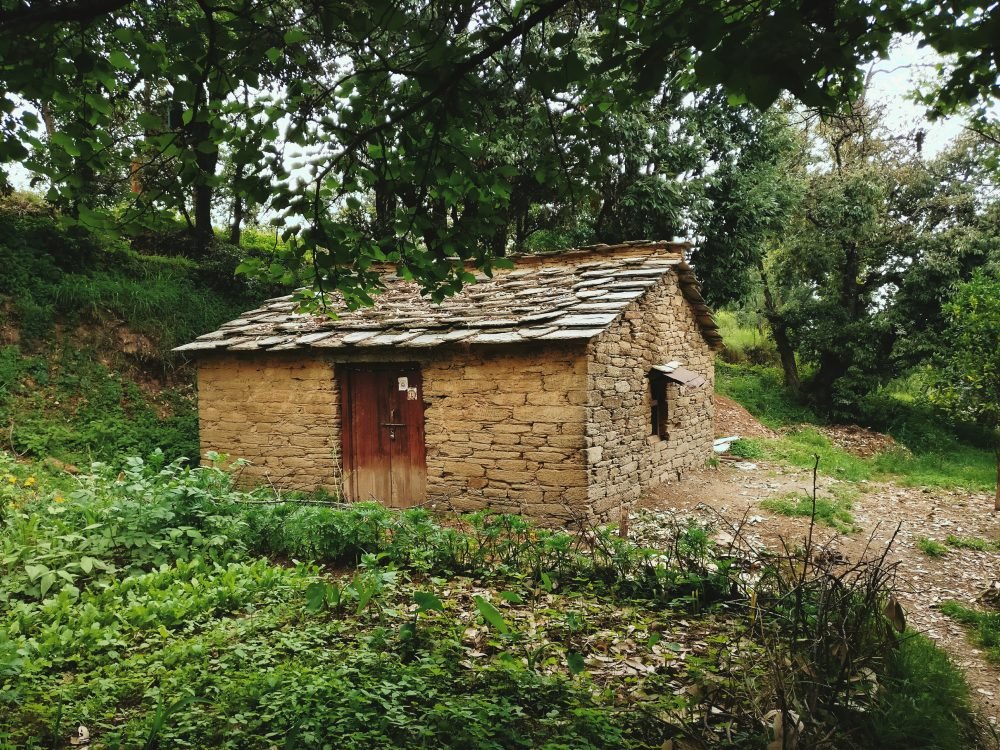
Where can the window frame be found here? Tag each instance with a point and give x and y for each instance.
(659, 406)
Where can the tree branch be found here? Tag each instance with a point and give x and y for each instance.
(81, 12)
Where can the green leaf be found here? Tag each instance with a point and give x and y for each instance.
(511, 597)
(575, 662)
(65, 142)
(119, 60)
(46, 583)
(491, 615)
(295, 36)
(35, 571)
(274, 54)
(315, 597)
(426, 601)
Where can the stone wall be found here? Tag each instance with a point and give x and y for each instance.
(280, 412)
(503, 430)
(506, 430)
(623, 458)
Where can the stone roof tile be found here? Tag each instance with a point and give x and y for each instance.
(573, 295)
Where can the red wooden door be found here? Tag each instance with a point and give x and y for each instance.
(382, 413)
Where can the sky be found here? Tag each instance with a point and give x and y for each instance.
(892, 80)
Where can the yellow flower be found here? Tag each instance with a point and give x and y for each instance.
(11, 479)
(58, 498)
(29, 481)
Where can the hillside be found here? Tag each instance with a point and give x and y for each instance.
(86, 328)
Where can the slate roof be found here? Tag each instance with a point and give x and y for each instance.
(573, 295)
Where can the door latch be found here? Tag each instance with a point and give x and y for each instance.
(392, 428)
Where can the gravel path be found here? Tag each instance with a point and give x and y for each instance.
(925, 582)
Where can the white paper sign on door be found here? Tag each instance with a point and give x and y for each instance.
(404, 383)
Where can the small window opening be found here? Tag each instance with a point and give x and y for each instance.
(658, 405)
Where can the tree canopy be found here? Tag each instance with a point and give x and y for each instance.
(392, 131)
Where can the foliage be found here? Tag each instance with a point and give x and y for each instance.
(70, 276)
(761, 391)
(68, 405)
(969, 382)
(159, 626)
(398, 104)
(925, 700)
(880, 232)
(933, 452)
(745, 341)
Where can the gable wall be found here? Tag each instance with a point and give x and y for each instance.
(623, 459)
(504, 429)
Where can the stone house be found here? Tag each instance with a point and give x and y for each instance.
(562, 388)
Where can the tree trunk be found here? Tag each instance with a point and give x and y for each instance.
(788, 365)
(203, 217)
(203, 190)
(779, 332)
(236, 228)
(996, 503)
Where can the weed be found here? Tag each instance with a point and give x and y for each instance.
(932, 548)
(161, 625)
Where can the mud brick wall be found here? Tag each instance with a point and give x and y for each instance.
(504, 430)
(507, 430)
(623, 458)
(279, 412)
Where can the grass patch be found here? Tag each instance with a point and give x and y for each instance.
(931, 547)
(800, 448)
(761, 390)
(744, 343)
(984, 627)
(933, 454)
(747, 448)
(925, 701)
(833, 512)
(972, 542)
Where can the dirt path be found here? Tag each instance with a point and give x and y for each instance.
(961, 575)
